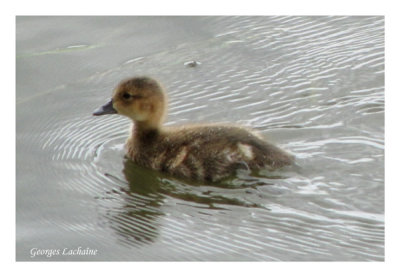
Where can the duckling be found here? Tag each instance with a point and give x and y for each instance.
(199, 152)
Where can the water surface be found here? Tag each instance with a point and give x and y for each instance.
(312, 85)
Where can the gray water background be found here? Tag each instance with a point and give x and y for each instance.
(312, 85)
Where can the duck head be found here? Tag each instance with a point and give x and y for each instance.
(140, 98)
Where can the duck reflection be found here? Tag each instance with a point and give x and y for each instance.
(138, 221)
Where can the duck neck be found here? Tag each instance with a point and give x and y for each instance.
(144, 132)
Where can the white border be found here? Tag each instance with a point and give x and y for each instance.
(249, 7)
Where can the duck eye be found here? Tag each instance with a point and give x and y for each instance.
(126, 95)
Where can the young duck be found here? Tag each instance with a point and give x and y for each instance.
(204, 152)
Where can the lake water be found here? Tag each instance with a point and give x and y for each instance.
(312, 85)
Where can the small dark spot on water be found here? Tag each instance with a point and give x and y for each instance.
(192, 64)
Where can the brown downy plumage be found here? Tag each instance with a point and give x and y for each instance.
(202, 152)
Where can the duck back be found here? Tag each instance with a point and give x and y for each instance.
(207, 153)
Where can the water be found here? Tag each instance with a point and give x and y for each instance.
(312, 85)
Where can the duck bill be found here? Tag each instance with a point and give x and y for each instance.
(105, 109)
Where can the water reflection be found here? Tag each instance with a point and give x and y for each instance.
(135, 222)
(143, 193)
